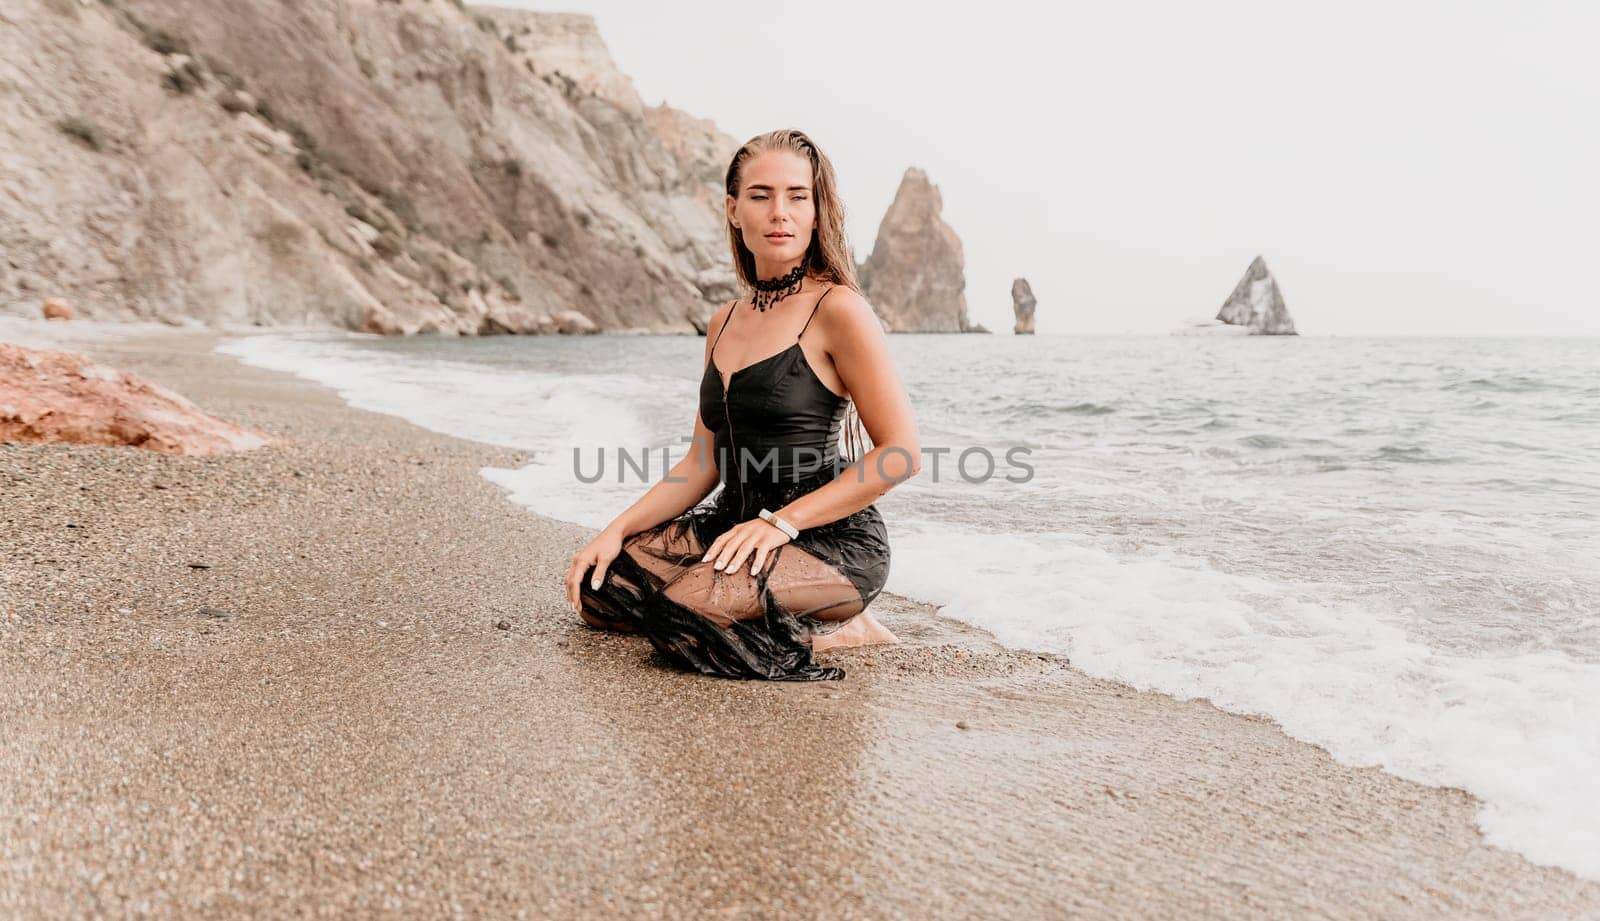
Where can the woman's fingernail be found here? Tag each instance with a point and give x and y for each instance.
(594, 583)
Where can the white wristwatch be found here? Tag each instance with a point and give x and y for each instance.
(779, 523)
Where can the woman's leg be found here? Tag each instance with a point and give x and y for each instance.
(733, 624)
(818, 588)
(738, 625)
(798, 582)
(649, 560)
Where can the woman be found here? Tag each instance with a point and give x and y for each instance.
(786, 558)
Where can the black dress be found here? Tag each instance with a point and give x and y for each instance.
(776, 431)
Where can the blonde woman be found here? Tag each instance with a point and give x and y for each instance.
(785, 559)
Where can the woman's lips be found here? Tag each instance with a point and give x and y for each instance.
(780, 237)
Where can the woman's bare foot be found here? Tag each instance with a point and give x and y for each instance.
(860, 630)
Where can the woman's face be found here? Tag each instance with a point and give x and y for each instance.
(775, 212)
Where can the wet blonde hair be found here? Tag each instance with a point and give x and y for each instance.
(827, 257)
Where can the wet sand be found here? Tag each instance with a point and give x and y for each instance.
(373, 701)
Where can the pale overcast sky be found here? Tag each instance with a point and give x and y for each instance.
(1405, 168)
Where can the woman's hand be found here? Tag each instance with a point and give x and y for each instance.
(733, 545)
(597, 553)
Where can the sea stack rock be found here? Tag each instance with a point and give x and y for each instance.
(1257, 305)
(1022, 304)
(916, 275)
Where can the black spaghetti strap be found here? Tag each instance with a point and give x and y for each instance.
(720, 330)
(808, 319)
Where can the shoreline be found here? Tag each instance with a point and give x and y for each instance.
(248, 761)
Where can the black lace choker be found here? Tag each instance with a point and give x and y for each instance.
(769, 291)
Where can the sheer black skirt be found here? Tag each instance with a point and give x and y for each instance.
(735, 624)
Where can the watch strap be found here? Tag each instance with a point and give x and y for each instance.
(779, 523)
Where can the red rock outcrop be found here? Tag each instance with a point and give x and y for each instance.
(51, 396)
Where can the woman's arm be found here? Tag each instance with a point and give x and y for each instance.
(690, 479)
(663, 500)
(860, 353)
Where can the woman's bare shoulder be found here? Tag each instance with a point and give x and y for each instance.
(845, 312)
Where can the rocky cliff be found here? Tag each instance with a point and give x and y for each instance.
(1256, 304)
(916, 275)
(389, 165)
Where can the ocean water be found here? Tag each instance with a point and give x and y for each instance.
(1390, 546)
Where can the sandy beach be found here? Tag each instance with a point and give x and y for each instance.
(336, 676)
